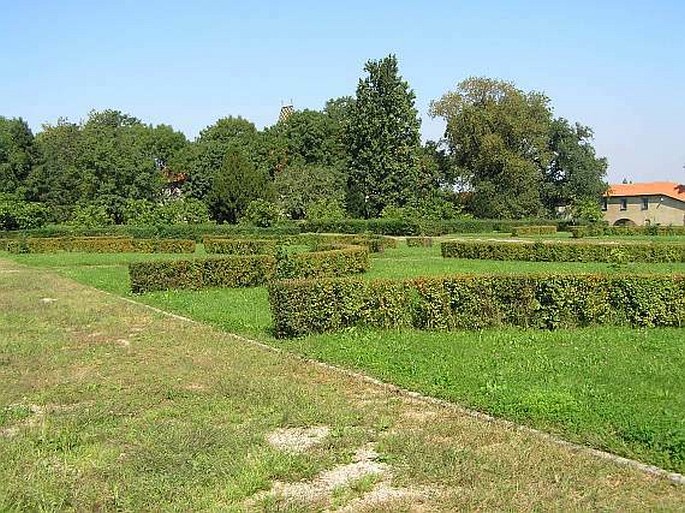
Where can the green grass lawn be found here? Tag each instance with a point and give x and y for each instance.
(612, 388)
(108, 406)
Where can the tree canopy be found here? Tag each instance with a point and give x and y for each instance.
(359, 156)
(516, 158)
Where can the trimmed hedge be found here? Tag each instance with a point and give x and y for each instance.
(404, 227)
(374, 243)
(235, 271)
(245, 270)
(603, 230)
(564, 251)
(419, 242)
(527, 231)
(181, 231)
(240, 246)
(330, 260)
(301, 307)
(100, 245)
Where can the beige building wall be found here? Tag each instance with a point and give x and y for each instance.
(660, 210)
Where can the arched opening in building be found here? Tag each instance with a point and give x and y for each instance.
(624, 222)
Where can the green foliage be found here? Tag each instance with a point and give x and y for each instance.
(234, 271)
(245, 270)
(517, 159)
(20, 215)
(262, 213)
(240, 246)
(374, 243)
(204, 160)
(382, 141)
(406, 225)
(18, 155)
(299, 189)
(109, 158)
(326, 210)
(309, 138)
(563, 251)
(596, 230)
(586, 212)
(497, 135)
(419, 242)
(90, 215)
(330, 261)
(575, 176)
(301, 307)
(100, 245)
(177, 231)
(234, 186)
(527, 231)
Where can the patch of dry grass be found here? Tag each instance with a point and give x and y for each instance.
(178, 419)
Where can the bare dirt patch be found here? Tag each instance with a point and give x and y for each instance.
(297, 439)
(321, 491)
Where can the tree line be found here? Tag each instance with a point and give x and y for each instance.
(504, 155)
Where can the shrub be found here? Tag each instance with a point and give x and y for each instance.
(176, 231)
(20, 215)
(90, 215)
(597, 230)
(374, 243)
(563, 251)
(416, 242)
(245, 270)
(527, 231)
(240, 246)
(234, 271)
(261, 213)
(301, 307)
(100, 245)
(332, 260)
(416, 226)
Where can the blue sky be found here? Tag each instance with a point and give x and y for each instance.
(618, 66)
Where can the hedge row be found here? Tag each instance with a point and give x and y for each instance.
(419, 242)
(564, 251)
(245, 270)
(301, 307)
(374, 243)
(236, 271)
(99, 245)
(240, 246)
(527, 231)
(403, 227)
(197, 232)
(397, 227)
(329, 260)
(600, 230)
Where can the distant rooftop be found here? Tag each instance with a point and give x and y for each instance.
(670, 189)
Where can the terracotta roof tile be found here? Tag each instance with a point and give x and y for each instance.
(670, 189)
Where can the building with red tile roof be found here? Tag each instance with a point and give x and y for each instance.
(648, 203)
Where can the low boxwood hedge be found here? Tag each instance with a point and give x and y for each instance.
(234, 271)
(240, 246)
(330, 260)
(598, 230)
(419, 242)
(301, 307)
(100, 245)
(527, 231)
(564, 251)
(168, 231)
(374, 243)
(404, 227)
(246, 270)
